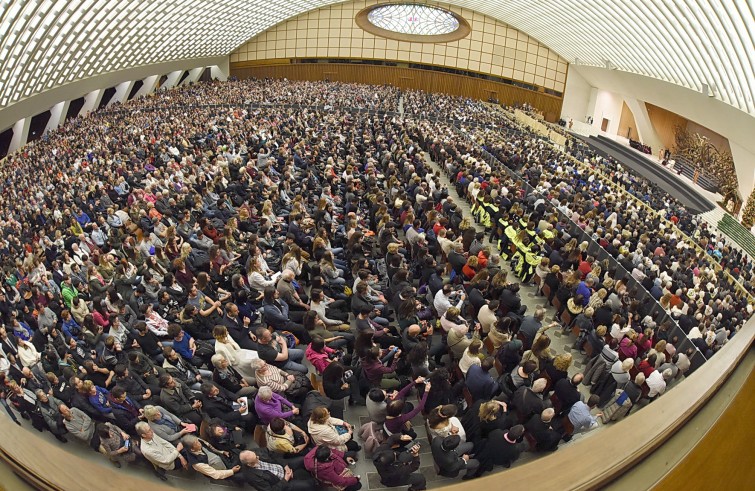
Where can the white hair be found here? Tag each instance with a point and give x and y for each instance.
(265, 393)
(216, 359)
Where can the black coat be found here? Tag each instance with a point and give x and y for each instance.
(449, 462)
(498, 451)
(510, 301)
(545, 435)
(567, 394)
(221, 406)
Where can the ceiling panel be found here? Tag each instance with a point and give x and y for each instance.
(690, 43)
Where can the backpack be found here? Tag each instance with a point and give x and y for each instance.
(373, 436)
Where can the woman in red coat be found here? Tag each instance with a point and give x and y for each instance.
(331, 468)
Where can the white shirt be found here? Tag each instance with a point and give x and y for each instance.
(441, 302)
(656, 384)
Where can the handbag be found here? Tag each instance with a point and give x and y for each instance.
(291, 340)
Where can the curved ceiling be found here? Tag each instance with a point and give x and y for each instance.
(691, 43)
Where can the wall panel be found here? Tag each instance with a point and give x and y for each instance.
(406, 78)
(665, 123)
(492, 47)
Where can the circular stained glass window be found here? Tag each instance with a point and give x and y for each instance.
(419, 20)
(406, 21)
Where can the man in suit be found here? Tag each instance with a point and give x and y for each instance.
(541, 429)
(510, 300)
(456, 258)
(238, 327)
(567, 392)
(217, 402)
(451, 457)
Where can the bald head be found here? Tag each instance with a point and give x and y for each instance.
(247, 457)
(547, 415)
(414, 330)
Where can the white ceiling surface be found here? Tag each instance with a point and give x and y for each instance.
(48, 43)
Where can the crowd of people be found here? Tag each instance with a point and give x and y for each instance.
(206, 278)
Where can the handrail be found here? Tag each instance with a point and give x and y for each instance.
(594, 245)
(668, 223)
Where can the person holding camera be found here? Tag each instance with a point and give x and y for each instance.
(447, 298)
(397, 463)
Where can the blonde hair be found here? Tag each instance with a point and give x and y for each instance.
(488, 411)
(562, 362)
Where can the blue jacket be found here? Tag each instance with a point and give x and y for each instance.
(274, 316)
(480, 384)
(100, 400)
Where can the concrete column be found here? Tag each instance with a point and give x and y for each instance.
(57, 115)
(591, 106)
(122, 91)
(194, 75)
(148, 86)
(172, 80)
(220, 72)
(20, 134)
(91, 102)
(645, 129)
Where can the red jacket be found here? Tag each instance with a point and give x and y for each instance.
(335, 472)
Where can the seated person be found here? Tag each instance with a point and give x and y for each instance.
(209, 461)
(229, 378)
(542, 430)
(332, 468)
(332, 432)
(286, 438)
(165, 424)
(451, 456)
(219, 403)
(442, 422)
(159, 452)
(398, 465)
(269, 474)
(274, 350)
(270, 405)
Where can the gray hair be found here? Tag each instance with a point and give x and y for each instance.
(216, 359)
(141, 427)
(256, 363)
(548, 414)
(265, 393)
(189, 441)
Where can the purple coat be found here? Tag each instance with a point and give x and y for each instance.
(268, 411)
